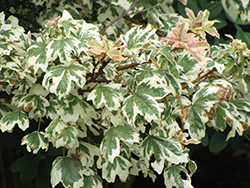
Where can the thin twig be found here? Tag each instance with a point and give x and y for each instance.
(98, 130)
(4, 83)
(118, 18)
(196, 80)
(39, 125)
(199, 78)
(108, 122)
(177, 103)
(125, 14)
(127, 66)
(144, 10)
(125, 82)
(96, 122)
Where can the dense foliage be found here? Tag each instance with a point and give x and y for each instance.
(119, 98)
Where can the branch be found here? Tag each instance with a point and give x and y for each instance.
(4, 83)
(125, 82)
(196, 80)
(128, 66)
(144, 10)
(199, 78)
(125, 14)
(100, 71)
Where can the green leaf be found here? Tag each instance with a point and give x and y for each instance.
(242, 35)
(8, 122)
(172, 177)
(4, 109)
(110, 145)
(68, 171)
(108, 95)
(35, 141)
(215, 8)
(93, 181)
(120, 166)
(218, 142)
(192, 167)
(163, 150)
(62, 76)
(27, 166)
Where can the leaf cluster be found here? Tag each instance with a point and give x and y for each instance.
(123, 106)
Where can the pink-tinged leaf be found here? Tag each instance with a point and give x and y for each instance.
(190, 14)
(95, 48)
(115, 55)
(118, 43)
(106, 44)
(197, 45)
(200, 24)
(94, 43)
(183, 32)
(213, 32)
(192, 17)
(100, 50)
(198, 57)
(180, 36)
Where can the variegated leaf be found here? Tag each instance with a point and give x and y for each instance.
(85, 152)
(4, 108)
(106, 95)
(63, 49)
(142, 102)
(68, 171)
(62, 134)
(93, 181)
(172, 177)
(120, 166)
(37, 55)
(34, 104)
(35, 141)
(76, 108)
(8, 122)
(141, 165)
(62, 76)
(162, 149)
(110, 145)
(136, 37)
(203, 101)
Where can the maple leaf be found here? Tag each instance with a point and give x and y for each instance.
(200, 24)
(180, 37)
(102, 49)
(183, 39)
(194, 46)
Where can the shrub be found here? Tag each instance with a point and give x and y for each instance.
(123, 104)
